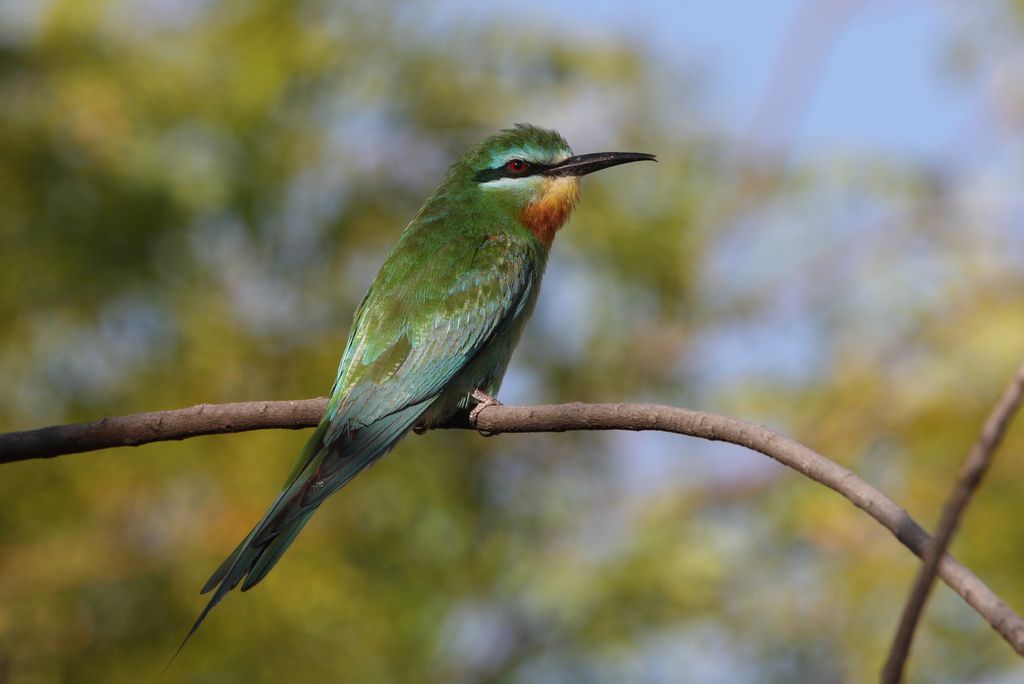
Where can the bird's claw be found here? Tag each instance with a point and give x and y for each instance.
(483, 400)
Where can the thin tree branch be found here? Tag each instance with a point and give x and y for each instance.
(971, 473)
(212, 419)
(160, 426)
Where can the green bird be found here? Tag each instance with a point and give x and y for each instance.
(436, 330)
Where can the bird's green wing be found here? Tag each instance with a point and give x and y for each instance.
(422, 323)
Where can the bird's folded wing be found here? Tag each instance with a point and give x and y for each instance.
(408, 343)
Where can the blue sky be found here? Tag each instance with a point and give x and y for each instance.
(875, 72)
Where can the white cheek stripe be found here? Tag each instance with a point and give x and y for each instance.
(504, 183)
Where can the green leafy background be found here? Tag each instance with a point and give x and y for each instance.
(193, 199)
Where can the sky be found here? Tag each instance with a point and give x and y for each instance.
(870, 73)
(863, 74)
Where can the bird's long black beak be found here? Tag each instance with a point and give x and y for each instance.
(582, 164)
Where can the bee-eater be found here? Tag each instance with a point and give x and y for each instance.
(435, 332)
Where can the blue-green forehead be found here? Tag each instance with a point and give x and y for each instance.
(523, 142)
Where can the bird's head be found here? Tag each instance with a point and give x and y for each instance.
(532, 172)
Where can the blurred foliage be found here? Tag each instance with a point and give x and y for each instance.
(193, 198)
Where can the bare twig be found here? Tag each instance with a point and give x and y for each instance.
(971, 472)
(159, 426)
(209, 419)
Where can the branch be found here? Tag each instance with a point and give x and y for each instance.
(971, 472)
(159, 426)
(206, 419)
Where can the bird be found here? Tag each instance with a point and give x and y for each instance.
(435, 332)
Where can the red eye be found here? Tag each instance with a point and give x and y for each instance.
(515, 166)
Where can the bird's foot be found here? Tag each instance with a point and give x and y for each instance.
(483, 400)
(419, 428)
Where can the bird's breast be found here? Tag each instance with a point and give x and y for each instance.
(547, 214)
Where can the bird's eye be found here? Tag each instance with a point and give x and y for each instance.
(516, 166)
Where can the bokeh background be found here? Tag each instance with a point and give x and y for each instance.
(195, 195)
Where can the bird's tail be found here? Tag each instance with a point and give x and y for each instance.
(320, 470)
(250, 561)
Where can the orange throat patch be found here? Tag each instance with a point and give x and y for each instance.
(545, 216)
